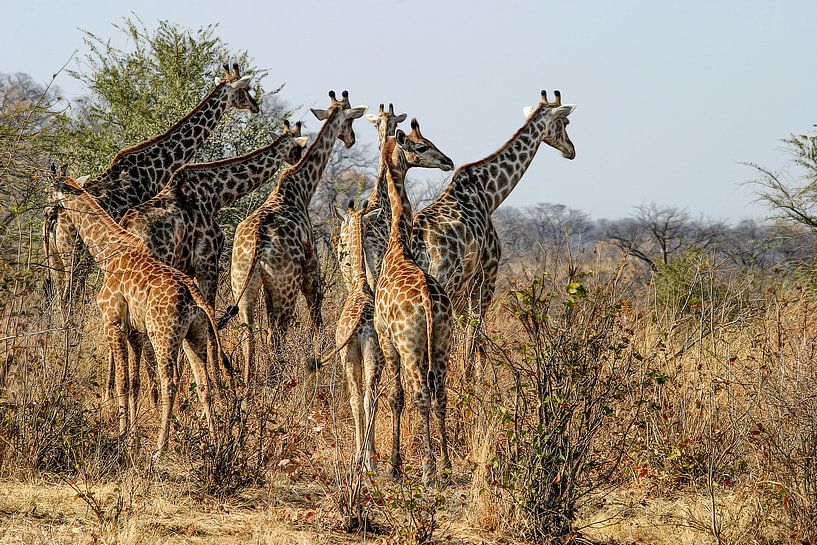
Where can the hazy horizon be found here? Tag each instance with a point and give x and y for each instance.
(672, 99)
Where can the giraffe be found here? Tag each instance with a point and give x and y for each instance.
(274, 247)
(139, 172)
(179, 224)
(416, 151)
(356, 341)
(454, 239)
(142, 299)
(413, 320)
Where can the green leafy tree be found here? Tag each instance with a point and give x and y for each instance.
(139, 91)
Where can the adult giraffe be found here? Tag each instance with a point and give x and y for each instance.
(454, 239)
(139, 172)
(274, 248)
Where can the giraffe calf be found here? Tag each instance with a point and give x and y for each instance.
(143, 299)
(356, 339)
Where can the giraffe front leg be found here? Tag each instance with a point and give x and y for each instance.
(480, 299)
(372, 369)
(196, 350)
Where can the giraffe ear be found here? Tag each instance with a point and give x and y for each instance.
(528, 111)
(369, 216)
(81, 180)
(400, 118)
(357, 111)
(400, 136)
(301, 141)
(320, 114)
(564, 110)
(372, 118)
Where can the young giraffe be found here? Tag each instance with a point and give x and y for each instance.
(416, 151)
(454, 239)
(179, 225)
(356, 340)
(274, 247)
(413, 320)
(143, 299)
(139, 172)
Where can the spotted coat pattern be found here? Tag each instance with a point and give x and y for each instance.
(139, 172)
(143, 299)
(274, 248)
(413, 321)
(454, 239)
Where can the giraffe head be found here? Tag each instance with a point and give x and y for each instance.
(238, 87)
(555, 134)
(64, 186)
(420, 151)
(386, 122)
(342, 107)
(294, 142)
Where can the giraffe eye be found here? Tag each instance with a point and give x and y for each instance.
(422, 149)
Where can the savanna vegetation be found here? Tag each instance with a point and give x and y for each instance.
(642, 380)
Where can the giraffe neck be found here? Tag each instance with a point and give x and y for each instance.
(393, 158)
(212, 186)
(139, 172)
(300, 181)
(104, 238)
(356, 257)
(400, 227)
(499, 173)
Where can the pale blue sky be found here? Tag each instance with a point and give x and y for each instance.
(672, 96)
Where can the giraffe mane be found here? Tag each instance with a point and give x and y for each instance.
(503, 147)
(232, 160)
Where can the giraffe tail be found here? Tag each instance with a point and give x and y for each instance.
(228, 315)
(315, 362)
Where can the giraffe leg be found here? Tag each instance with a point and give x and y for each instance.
(372, 369)
(206, 273)
(166, 348)
(313, 292)
(110, 387)
(351, 357)
(280, 310)
(479, 302)
(118, 341)
(134, 361)
(246, 312)
(392, 359)
(439, 400)
(196, 350)
(421, 395)
(149, 359)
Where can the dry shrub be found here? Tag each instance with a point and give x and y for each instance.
(567, 393)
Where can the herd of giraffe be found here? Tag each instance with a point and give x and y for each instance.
(149, 223)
